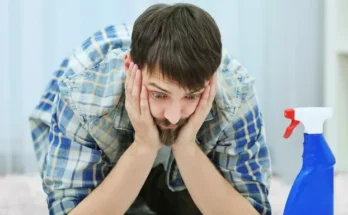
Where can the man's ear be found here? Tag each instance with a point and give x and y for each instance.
(127, 61)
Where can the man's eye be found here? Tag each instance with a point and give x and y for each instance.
(158, 95)
(193, 97)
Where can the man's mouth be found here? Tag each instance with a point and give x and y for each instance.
(168, 127)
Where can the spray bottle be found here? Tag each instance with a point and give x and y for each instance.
(313, 189)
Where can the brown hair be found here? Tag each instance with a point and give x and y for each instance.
(181, 40)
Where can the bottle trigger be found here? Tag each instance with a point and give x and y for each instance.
(290, 128)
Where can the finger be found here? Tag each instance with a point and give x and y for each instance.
(204, 99)
(136, 90)
(198, 116)
(131, 80)
(127, 74)
(130, 67)
(144, 102)
(137, 84)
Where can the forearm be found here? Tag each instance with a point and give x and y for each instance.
(209, 190)
(122, 185)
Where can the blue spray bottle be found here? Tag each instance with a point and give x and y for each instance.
(313, 189)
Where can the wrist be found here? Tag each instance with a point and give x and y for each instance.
(189, 148)
(144, 148)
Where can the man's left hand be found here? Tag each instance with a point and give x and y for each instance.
(187, 134)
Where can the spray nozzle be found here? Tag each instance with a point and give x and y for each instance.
(311, 117)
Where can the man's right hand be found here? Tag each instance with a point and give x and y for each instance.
(125, 180)
(137, 106)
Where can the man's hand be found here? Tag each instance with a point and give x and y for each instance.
(188, 132)
(137, 106)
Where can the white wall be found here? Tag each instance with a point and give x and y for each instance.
(280, 42)
(293, 73)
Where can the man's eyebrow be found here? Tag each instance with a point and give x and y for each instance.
(195, 91)
(166, 91)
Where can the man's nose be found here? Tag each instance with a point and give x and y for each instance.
(172, 114)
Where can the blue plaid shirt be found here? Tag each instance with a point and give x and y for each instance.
(80, 127)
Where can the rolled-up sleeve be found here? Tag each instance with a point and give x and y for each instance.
(242, 156)
(74, 165)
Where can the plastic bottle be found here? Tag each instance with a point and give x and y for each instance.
(313, 189)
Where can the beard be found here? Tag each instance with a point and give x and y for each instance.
(169, 136)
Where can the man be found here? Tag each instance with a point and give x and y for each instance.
(153, 118)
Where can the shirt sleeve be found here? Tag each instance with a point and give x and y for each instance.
(242, 156)
(74, 165)
(71, 159)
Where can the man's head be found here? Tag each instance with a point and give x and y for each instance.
(178, 48)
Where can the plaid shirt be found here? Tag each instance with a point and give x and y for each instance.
(80, 127)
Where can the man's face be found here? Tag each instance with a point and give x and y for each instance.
(170, 105)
